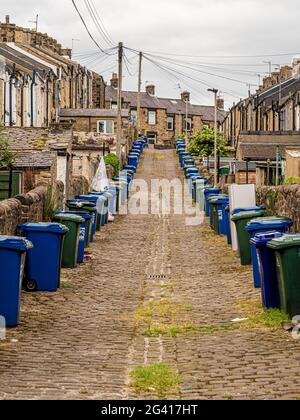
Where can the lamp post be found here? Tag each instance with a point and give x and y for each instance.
(186, 121)
(215, 92)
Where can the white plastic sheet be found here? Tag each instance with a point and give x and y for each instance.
(100, 182)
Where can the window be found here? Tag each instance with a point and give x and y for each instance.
(106, 127)
(133, 115)
(152, 117)
(170, 123)
(188, 124)
(114, 106)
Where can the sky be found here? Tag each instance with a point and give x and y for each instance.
(188, 45)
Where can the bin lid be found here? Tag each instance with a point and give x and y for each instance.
(239, 210)
(219, 200)
(269, 223)
(83, 214)
(68, 217)
(102, 195)
(208, 191)
(15, 243)
(248, 215)
(286, 241)
(79, 203)
(262, 239)
(44, 227)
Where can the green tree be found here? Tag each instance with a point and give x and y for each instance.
(7, 157)
(203, 143)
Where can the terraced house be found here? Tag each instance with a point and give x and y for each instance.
(38, 79)
(163, 119)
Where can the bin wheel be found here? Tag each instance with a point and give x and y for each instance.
(30, 285)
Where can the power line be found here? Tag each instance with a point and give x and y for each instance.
(224, 56)
(208, 73)
(92, 12)
(102, 24)
(87, 29)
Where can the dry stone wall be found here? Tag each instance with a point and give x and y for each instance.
(282, 201)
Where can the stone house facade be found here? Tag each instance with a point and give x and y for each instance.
(163, 119)
(38, 78)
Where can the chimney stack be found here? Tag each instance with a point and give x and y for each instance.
(7, 19)
(114, 82)
(220, 103)
(150, 89)
(186, 96)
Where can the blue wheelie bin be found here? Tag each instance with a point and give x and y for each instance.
(133, 161)
(228, 225)
(267, 268)
(261, 225)
(208, 193)
(223, 216)
(12, 262)
(43, 264)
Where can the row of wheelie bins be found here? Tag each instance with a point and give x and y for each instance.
(265, 242)
(195, 180)
(34, 258)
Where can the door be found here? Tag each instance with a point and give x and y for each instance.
(152, 138)
(4, 184)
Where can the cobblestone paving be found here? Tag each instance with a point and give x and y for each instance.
(82, 342)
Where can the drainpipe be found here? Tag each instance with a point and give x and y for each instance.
(22, 103)
(47, 102)
(32, 99)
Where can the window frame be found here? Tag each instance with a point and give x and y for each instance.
(152, 112)
(171, 117)
(136, 115)
(105, 127)
(186, 124)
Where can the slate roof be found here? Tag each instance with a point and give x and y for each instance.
(21, 60)
(36, 148)
(172, 106)
(264, 151)
(97, 113)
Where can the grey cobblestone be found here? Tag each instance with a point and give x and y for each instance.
(82, 342)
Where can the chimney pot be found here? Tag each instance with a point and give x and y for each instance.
(186, 96)
(150, 89)
(114, 82)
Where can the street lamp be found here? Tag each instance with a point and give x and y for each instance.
(215, 92)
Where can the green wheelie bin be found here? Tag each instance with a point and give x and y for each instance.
(70, 248)
(241, 221)
(287, 252)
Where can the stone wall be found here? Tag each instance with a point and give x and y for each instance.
(282, 201)
(30, 207)
(79, 186)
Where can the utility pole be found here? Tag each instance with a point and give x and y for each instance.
(119, 112)
(186, 121)
(277, 165)
(139, 94)
(215, 92)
